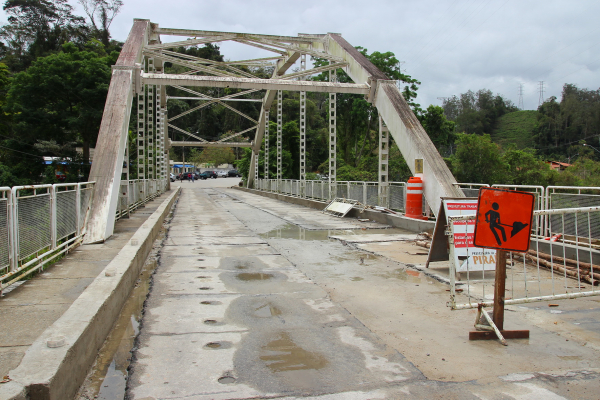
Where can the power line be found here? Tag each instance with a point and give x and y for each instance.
(8, 148)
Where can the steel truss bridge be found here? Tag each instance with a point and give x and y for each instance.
(140, 73)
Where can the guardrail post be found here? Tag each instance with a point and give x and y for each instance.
(365, 197)
(53, 202)
(12, 230)
(78, 208)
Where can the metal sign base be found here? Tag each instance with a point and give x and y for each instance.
(495, 324)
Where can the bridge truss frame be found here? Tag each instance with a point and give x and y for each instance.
(139, 72)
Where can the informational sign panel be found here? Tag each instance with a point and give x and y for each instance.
(418, 165)
(466, 255)
(503, 219)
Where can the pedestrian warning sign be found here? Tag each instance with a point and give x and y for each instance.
(503, 220)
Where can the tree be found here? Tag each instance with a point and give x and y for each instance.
(524, 168)
(61, 97)
(216, 156)
(439, 129)
(477, 160)
(562, 124)
(101, 14)
(477, 112)
(37, 28)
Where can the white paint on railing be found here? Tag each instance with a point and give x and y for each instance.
(42, 222)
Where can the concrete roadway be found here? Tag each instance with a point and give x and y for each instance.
(252, 300)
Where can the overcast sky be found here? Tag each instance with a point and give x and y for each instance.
(451, 46)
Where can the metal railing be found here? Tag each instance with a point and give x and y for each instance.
(550, 270)
(471, 189)
(551, 197)
(364, 192)
(137, 192)
(38, 224)
(558, 197)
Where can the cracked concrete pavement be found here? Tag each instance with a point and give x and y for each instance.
(251, 299)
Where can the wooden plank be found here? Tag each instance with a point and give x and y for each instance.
(485, 335)
(499, 289)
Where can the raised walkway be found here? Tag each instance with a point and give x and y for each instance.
(29, 311)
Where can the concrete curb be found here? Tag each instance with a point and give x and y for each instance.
(397, 221)
(58, 372)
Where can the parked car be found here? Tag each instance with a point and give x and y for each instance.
(172, 177)
(61, 176)
(208, 174)
(222, 174)
(234, 173)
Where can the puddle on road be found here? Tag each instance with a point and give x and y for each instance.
(267, 310)
(290, 231)
(108, 378)
(253, 276)
(282, 355)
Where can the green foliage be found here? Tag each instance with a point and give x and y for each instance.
(243, 165)
(215, 156)
(398, 169)
(38, 28)
(61, 97)
(439, 129)
(477, 112)
(7, 178)
(524, 168)
(584, 172)
(561, 125)
(350, 173)
(517, 127)
(477, 160)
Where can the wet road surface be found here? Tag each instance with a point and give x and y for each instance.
(245, 304)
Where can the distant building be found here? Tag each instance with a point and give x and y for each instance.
(92, 151)
(557, 165)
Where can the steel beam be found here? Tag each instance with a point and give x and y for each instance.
(332, 138)
(384, 153)
(302, 132)
(197, 33)
(260, 84)
(279, 138)
(112, 137)
(282, 66)
(141, 132)
(210, 144)
(405, 128)
(189, 42)
(212, 98)
(266, 173)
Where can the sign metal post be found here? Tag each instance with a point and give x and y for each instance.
(496, 209)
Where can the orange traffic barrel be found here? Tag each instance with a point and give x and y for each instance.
(414, 198)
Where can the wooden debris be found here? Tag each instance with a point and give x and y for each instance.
(423, 243)
(586, 276)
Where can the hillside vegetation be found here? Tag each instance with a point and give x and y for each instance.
(518, 128)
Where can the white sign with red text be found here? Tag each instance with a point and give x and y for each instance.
(467, 257)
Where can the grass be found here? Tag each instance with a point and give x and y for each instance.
(516, 127)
